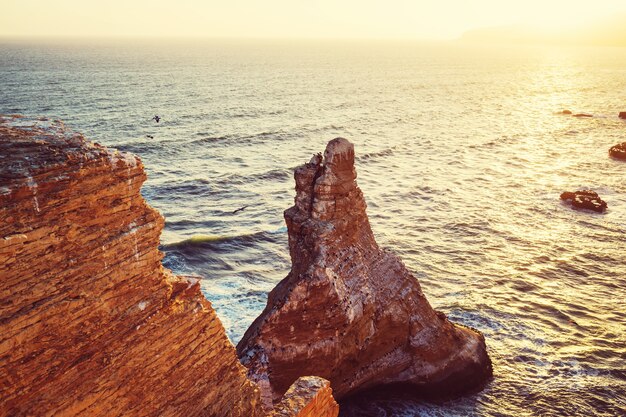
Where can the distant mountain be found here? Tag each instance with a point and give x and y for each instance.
(607, 32)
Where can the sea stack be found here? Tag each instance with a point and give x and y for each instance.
(90, 321)
(350, 311)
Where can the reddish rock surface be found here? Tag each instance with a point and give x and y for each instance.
(309, 396)
(618, 151)
(585, 199)
(90, 321)
(348, 310)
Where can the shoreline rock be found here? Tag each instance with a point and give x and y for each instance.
(348, 310)
(308, 396)
(91, 323)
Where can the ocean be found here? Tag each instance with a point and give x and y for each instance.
(461, 155)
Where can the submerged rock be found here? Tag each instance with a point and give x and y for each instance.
(618, 151)
(566, 112)
(583, 115)
(348, 310)
(585, 199)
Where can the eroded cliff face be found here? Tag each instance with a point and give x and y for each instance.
(348, 310)
(90, 322)
(309, 396)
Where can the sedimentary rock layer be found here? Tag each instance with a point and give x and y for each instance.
(309, 396)
(348, 310)
(90, 322)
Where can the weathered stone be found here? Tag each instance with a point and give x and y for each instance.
(622, 115)
(90, 321)
(309, 396)
(585, 199)
(348, 310)
(618, 151)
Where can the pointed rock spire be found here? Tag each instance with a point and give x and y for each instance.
(348, 310)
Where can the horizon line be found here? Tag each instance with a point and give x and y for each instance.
(226, 37)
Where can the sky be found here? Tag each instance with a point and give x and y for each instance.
(378, 19)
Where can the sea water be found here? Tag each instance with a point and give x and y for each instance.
(461, 155)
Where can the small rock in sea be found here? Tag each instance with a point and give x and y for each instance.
(622, 115)
(583, 115)
(618, 151)
(566, 112)
(585, 199)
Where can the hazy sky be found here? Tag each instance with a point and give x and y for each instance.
(429, 19)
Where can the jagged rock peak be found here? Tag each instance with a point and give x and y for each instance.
(349, 311)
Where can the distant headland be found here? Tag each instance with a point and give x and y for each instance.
(605, 32)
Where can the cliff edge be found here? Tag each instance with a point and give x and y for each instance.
(90, 321)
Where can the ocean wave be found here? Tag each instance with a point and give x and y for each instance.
(376, 155)
(183, 188)
(217, 255)
(238, 138)
(272, 175)
(201, 241)
(205, 138)
(140, 148)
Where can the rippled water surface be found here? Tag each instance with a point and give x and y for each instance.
(459, 153)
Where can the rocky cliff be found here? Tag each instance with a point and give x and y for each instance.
(307, 397)
(90, 321)
(348, 310)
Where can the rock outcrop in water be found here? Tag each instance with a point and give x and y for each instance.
(348, 310)
(618, 151)
(585, 199)
(622, 115)
(90, 321)
(569, 113)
